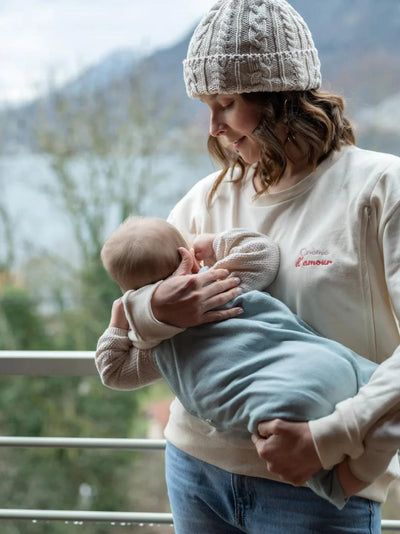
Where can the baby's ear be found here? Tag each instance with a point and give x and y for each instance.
(188, 264)
(196, 264)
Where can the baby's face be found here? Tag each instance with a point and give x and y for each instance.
(203, 249)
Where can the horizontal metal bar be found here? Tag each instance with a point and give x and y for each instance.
(47, 363)
(390, 524)
(81, 363)
(83, 443)
(115, 517)
(82, 515)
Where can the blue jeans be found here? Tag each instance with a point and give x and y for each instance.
(207, 500)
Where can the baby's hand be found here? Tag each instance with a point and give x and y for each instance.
(203, 249)
(118, 317)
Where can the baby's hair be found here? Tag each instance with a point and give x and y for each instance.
(141, 251)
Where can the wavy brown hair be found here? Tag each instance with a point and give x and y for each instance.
(315, 120)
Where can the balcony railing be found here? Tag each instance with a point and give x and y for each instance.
(74, 363)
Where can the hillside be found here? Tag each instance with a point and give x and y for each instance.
(357, 43)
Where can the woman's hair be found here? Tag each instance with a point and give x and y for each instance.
(315, 119)
(141, 251)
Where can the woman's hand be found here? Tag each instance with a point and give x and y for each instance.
(288, 449)
(349, 482)
(185, 299)
(118, 317)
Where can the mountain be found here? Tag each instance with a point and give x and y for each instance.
(385, 115)
(357, 43)
(379, 126)
(115, 66)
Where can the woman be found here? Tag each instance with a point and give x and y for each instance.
(290, 170)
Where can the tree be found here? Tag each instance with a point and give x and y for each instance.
(21, 326)
(102, 147)
(102, 156)
(6, 237)
(7, 245)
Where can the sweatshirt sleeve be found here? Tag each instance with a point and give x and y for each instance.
(145, 330)
(355, 421)
(251, 256)
(353, 418)
(380, 446)
(120, 364)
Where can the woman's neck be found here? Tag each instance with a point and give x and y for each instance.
(293, 174)
(298, 166)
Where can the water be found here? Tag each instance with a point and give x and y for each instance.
(40, 226)
(35, 221)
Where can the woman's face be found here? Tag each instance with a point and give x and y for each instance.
(234, 119)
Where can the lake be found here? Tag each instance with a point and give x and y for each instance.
(39, 224)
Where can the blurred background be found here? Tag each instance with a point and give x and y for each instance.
(95, 125)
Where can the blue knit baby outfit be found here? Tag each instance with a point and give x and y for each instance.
(266, 363)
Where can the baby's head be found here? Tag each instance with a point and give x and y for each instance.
(141, 251)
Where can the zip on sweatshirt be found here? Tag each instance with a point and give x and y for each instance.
(366, 283)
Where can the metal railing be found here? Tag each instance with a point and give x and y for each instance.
(71, 363)
(75, 363)
(81, 516)
(47, 363)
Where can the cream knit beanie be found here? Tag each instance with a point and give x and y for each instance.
(244, 46)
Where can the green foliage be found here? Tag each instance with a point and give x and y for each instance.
(53, 478)
(21, 325)
(102, 173)
(64, 406)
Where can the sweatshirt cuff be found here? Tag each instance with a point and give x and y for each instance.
(145, 330)
(251, 256)
(337, 435)
(371, 465)
(116, 331)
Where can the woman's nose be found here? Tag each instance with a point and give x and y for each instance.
(217, 127)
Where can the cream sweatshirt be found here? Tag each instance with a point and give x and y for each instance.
(338, 232)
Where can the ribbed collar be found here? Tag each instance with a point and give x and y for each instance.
(267, 199)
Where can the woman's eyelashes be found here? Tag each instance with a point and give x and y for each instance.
(226, 106)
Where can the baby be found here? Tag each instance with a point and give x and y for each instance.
(264, 364)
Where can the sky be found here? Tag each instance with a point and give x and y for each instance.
(54, 39)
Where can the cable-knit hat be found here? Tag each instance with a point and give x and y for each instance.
(243, 46)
